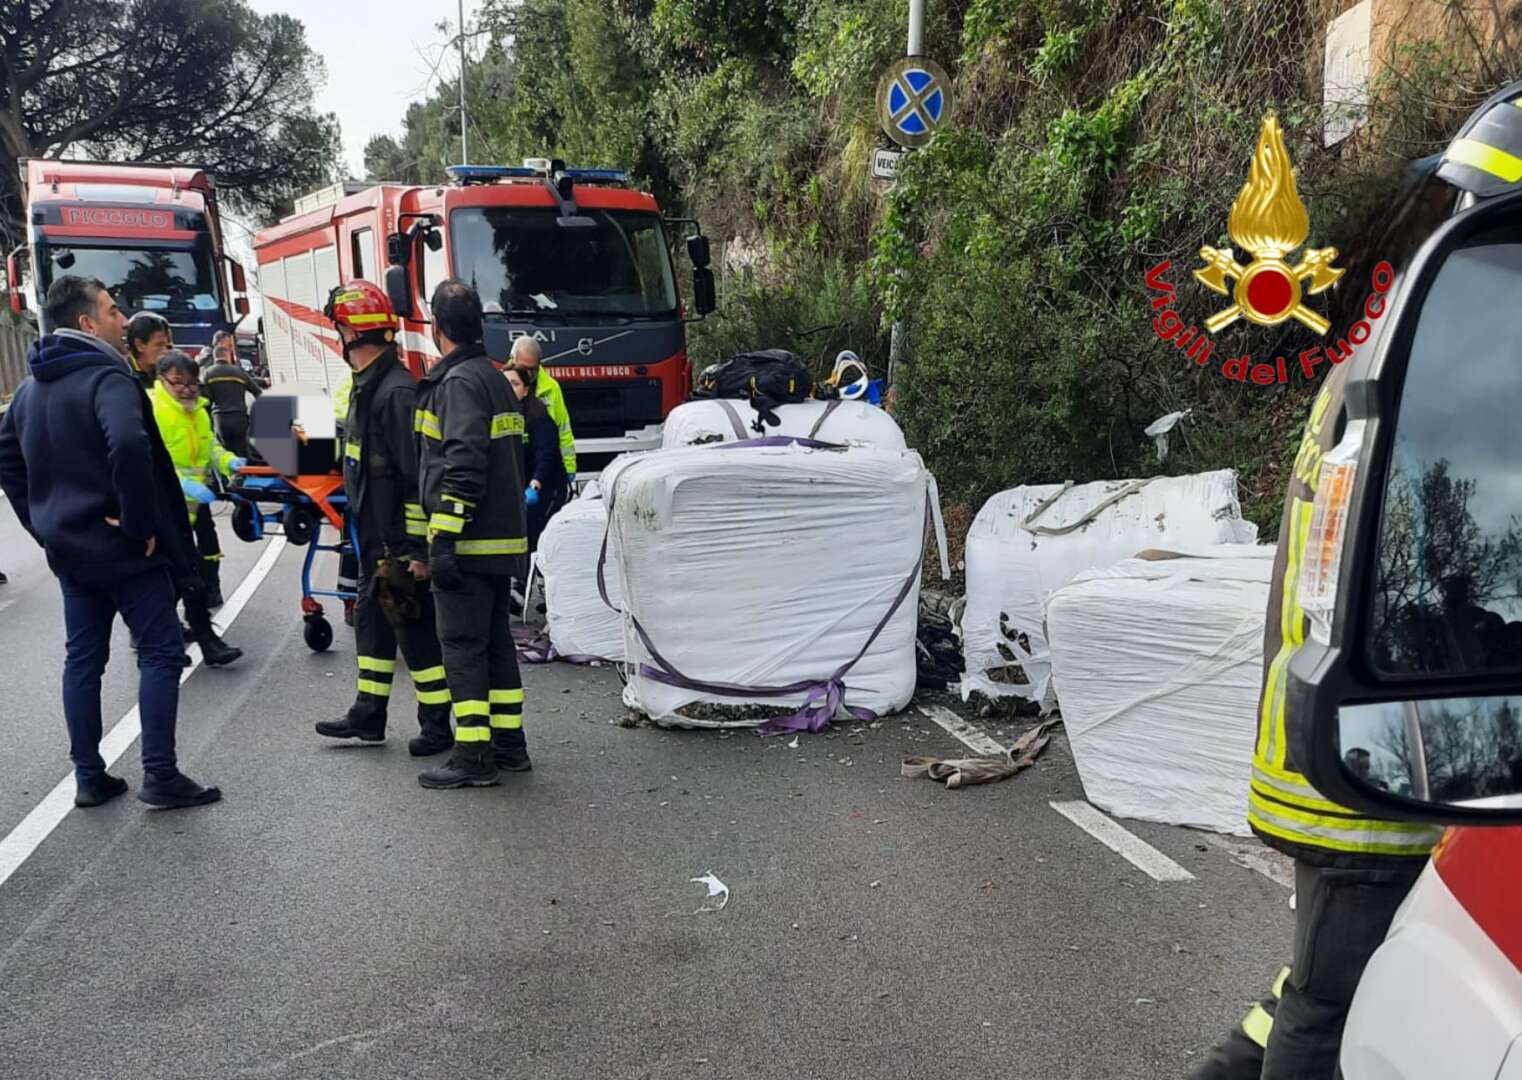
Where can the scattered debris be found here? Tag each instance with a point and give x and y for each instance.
(740, 715)
(964, 772)
(794, 744)
(716, 888)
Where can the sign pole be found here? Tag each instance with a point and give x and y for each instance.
(896, 342)
(464, 116)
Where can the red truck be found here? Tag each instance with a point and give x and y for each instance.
(574, 258)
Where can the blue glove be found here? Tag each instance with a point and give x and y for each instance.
(198, 491)
(570, 479)
(238, 463)
(531, 496)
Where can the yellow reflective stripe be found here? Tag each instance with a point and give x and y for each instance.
(463, 709)
(351, 450)
(1257, 1025)
(507, 697)
(1350, 826)
(507, 723)
(433, 674)
(433, 697)
(1280, 981)
(370, 663)
(472, 733)
(1364, 837)
(505, 424)
(446, 523)
(459, 502)
(414, 510)
(491, 547)
(378, 689)
(1292, 787)
(369, 320)
(1488, 159)
(427, 423)
(417, 528)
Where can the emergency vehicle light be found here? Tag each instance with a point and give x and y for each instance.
(606, 176)
(485, 174)
(1327, 532)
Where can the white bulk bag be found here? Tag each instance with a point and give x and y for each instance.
(1160, 664)
(714, 420)
(1012, 568)
(580, 624)
(765, 566)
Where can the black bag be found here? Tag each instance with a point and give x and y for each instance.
(766, 379)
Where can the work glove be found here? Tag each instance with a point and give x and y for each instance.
(571, 480)
(531, 496)
(198, 491)
(443, 564)
(238, 463)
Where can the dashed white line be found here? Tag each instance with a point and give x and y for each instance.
(26, 837)
(970, 735)
(1128, 846)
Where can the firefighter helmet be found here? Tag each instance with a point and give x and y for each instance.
(364, 309)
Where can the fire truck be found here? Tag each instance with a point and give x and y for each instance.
(574, 258)
(150, 233)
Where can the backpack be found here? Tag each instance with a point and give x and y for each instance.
(766, 379)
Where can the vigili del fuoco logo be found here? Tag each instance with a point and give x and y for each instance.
(1269, 221)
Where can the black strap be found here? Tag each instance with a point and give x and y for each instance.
(824, 416)
(734, 417)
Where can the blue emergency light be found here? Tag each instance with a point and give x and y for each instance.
(606, 176)
(482, 174)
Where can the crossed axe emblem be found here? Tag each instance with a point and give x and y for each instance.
(1221, 266)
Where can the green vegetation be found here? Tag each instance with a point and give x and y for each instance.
(1093, 139)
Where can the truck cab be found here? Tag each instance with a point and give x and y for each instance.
(1406, 699)
(150, 233)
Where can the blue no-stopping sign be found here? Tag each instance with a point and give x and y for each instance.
(913, 100)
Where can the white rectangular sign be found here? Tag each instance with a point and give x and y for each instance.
(1345, 93)
(885, 163)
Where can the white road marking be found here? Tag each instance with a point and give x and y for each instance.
(1128, 846)
(26, 837)
(970, 736)
(1252, 854)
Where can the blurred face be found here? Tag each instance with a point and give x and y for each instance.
(108, 323)
(185, 388)
(515, 380)
(149, 352)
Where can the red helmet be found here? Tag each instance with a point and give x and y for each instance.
(365, 309)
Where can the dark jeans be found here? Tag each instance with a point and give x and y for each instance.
(232, 432)
(1341, 918)
(146, 603)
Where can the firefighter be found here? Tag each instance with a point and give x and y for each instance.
(527, 358)
(148, 339)
(227, 386)
(381, 481)
(470, 442)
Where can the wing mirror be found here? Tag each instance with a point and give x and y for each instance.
(703, 298)
(697, 251)
(399, 291)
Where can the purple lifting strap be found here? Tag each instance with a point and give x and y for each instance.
(824, 698)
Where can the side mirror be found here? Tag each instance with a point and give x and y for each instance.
(433, 238)
(703, 297)
(396, 250)
(697, 251)
(240, 281)
(1459, 753)
(13, 284)
(240, 305)
(399, 291)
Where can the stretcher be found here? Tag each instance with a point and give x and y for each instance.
(300, 506)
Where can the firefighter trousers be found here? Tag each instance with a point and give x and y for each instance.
(376, 642)
(1295, 1033)
(480, 659)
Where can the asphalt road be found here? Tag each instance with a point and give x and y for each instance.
(332, 919)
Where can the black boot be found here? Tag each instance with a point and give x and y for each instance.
(176, 792)
(211, 577)
(214, 651)
(366, 725)
(470, 765)
(434, 735)
(510, 749)
(99, 791)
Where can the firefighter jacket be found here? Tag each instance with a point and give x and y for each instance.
(380, 460)
(226, 386)
(341, 394)
(187, 435)
(1283, 809)
(470, 452)
(547, 390)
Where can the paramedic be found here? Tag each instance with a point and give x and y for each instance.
(381, 482)
(527, 358)
(90, 480)
(542, 463)
(470, 445)
(148, 339)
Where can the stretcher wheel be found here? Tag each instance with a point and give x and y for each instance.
(245, 524)
(299, 526)
(318, 633)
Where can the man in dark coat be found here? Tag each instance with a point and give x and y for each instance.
(90, 480)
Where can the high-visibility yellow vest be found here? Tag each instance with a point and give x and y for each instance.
(188, 437)
(549, 392)
(341, 394)
(1283, 808)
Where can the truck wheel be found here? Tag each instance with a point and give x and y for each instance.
(318, 633)
(299, 526)
(246, 526)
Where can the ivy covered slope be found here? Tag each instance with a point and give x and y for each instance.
(1092, 140)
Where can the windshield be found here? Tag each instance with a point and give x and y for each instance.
(141, 279)
(523, 263)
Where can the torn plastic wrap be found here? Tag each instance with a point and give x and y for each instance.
(580, 624)
(1030, 541)
(766, 568)
(721, 420)
(1160, 661)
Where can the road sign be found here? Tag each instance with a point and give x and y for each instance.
(885, 163)
(913, 100)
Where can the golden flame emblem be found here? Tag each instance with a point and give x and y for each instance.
(1269, 220)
